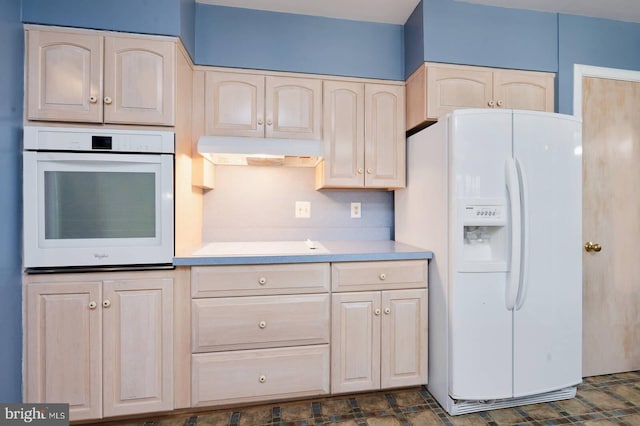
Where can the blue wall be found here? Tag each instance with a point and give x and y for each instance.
(162, 17)
(591, 41)
(414, 40)
(11, 69)
(465, 33)
(244, 38)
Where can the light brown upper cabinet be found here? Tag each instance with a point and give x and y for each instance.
(238, 104)
(434, 90)
(87, 76)
(363, 136)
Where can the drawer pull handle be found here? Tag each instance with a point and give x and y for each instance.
(262, 379)
(377, 312)
(387, 311)
(383, 276)
(263, 324)
(262, 281)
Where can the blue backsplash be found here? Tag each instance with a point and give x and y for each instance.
(253, 203)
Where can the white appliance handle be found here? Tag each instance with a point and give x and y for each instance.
(513, 187)
(522, 290)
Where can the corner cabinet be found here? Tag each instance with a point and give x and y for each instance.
(88, 76)
(100, 342)
(238, 104)
(363, 135)
(434, 90)
(379, 336)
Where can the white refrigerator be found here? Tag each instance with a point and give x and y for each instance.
(497, 196)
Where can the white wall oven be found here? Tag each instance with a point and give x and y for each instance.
(97, 198)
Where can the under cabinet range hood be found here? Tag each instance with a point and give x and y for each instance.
(233, 150)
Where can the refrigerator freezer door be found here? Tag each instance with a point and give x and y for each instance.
(480, 326)
(547, 319)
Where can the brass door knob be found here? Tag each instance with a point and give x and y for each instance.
(589, 246)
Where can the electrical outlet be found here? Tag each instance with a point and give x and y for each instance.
(303, 209)
(356, 210)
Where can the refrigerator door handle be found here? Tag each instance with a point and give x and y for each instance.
(513, 277)
(522, 290)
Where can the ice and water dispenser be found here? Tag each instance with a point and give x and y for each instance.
(484, 245)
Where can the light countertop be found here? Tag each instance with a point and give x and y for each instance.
(265, 252)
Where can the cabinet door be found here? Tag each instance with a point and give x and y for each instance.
(63, 347)
(138, 346)
(452, 87)
(234, 104)
(139, 81)
(64, 76)
(404, 338)
(293, 108)
(523, 90)
(384, 136)
(343, 128)
(355, 342)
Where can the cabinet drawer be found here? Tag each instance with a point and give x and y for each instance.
(259, 322)
(217, 281)
(258, 375)
(386, 275)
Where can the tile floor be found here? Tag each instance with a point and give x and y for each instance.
(602, 400)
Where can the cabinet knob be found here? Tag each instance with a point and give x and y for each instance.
(269, 122)
(262, 379)
(589, 246)
(107, 100)
(93, 99)
(92, 304)
(262, 324)
(260, 121)
(360, 170)
(500, 103)
(369, 171)
(387, 311)
(106, 303)
(383, 276)
(262, 281)
(491, 104)
(377, 311)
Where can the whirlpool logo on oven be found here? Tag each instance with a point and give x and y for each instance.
(35, 414)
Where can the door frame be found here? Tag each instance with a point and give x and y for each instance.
(580, 71)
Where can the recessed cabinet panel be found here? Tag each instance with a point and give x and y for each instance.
(293, 108)
(139, 78)
(355, 342)
(64, 76)
(63, 361)
(522, 90)
(404, 334)
(259, 322)
(138, 346)
(234, 104)
(452, 88)
(263, 374)
(384, 136)
(343, 129)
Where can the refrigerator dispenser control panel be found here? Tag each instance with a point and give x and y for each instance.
(484, 214)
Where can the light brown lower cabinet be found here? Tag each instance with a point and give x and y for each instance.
(259, 375)
(102, 343)
(379, 340)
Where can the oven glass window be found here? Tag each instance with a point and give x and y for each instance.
(83, 205)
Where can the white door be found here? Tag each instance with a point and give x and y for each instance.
(480, 325)
(547, 316)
